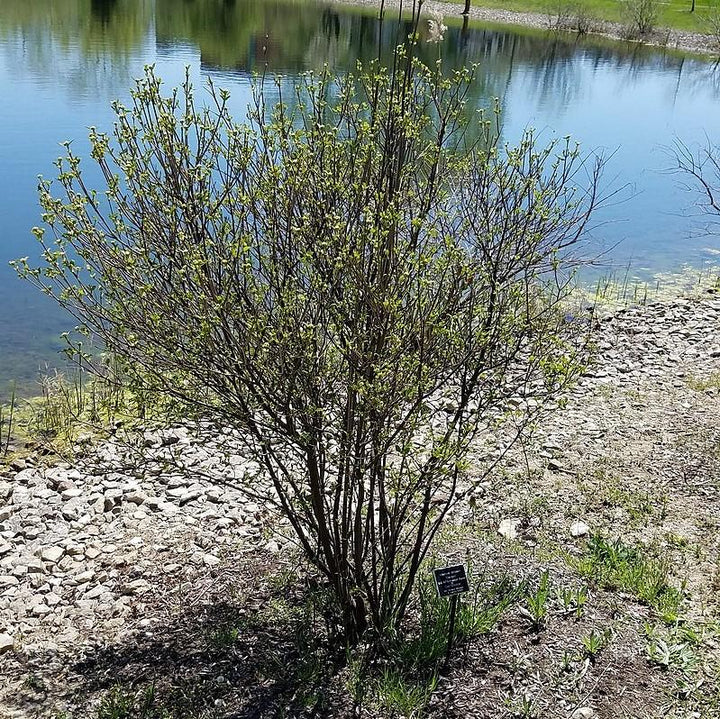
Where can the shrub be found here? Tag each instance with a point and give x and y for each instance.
(642, 16)
(359, 278)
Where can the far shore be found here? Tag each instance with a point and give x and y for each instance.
(678, 40)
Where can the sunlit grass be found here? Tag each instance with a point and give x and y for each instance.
(674, 14)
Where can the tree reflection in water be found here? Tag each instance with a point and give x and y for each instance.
(91, 42)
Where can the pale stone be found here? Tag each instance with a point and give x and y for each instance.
(34, 565)
(137, 586)
(82, 578)
(52, 555)
(52, 599)
(95, 592)
(136, 497)
(579, 529)
(6, 643)
(153, 502)
(112, 499)
(191, 495)
(509, 528)
(40, 610)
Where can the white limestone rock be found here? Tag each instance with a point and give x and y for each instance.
(508, 528)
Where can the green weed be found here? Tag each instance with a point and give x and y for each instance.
(224, 637)
(7, 418)
(410, 669)
(701, 384)
(536, 605)
(478, 612)
(566, 661)
(640, 506)
(522, 707)
(573, 601)
(595, 642)
(673, 13)
(188, 700)
(120, 703)
(669, 654)
(616, 566)
(407, 697)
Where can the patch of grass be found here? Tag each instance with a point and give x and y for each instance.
(640, 506)
(572, 600)
(34, 682)
(595, 642)
(701, 384)
(82, 403)
(676, 645)
(224, 637)
(478, 612)
(667, 653)
(308, 622)
(676, 540)
(409, 673)
(120, 703)
(614, 565)
(404, 696)
(189, 702)
(7, 419)
(688, 654)
(711, 22)
(521, 707)
(536, 606)
(183, 702)
(672, 14)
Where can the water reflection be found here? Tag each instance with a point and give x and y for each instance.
(85, 46)
(112, 27)
(76, 39)
(102, 10)
(61, 61)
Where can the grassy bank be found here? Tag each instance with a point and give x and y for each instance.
(675, 14)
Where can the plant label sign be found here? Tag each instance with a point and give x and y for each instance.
(451, 580)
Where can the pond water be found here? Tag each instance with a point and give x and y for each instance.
(63, 61)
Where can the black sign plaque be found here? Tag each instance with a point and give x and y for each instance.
(451, 580)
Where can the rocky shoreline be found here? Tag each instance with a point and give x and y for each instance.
(84, 546)
(680, 40)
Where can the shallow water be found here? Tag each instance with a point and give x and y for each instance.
(63, 61)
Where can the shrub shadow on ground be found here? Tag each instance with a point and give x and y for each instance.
(264, 655)
(216, 661)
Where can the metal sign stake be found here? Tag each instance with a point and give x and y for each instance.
(451, 629)
(451, 582)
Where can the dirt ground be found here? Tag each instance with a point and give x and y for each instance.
(633, 459)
